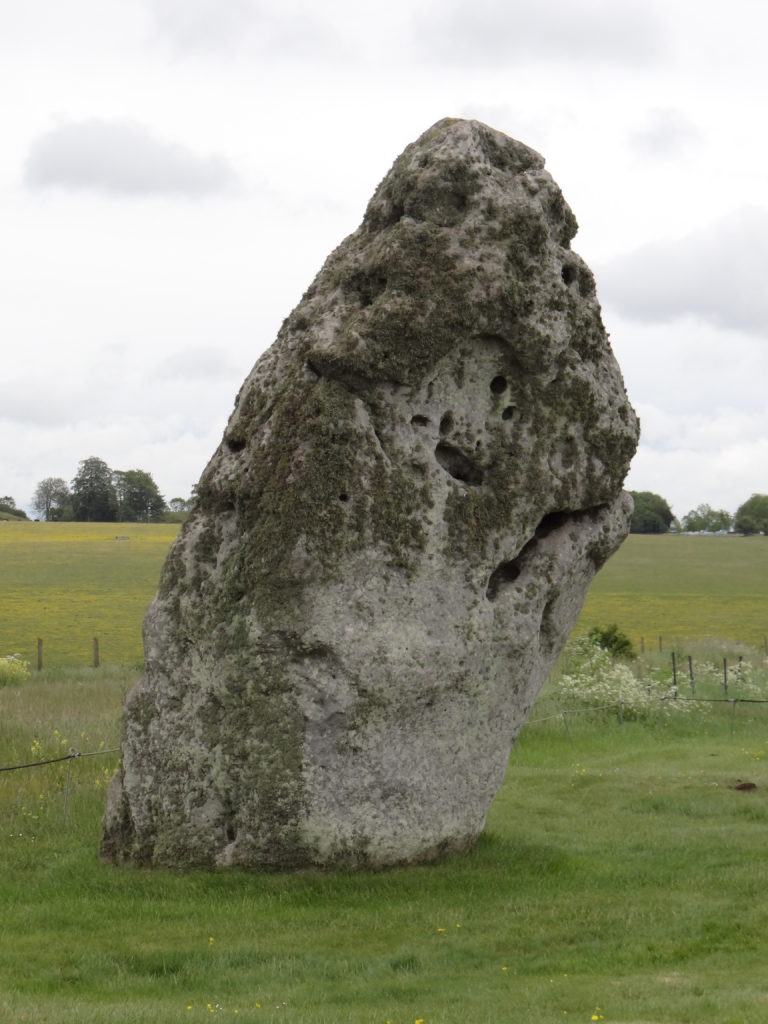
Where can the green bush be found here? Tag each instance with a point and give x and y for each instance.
(611, 639)
(13, 670)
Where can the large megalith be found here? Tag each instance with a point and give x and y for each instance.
(392, 542)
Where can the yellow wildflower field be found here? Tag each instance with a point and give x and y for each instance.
(683, 587)
(70, 582)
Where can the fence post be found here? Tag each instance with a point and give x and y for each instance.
(39, 653)
(674, 674)
(95, 652)
(642, 645)
(567, 727)
(661, 646)
(725, 677)
(690, 673)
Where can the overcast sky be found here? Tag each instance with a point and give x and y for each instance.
(174, 172)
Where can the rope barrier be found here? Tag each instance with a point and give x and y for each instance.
(666, 696)
(56, 760)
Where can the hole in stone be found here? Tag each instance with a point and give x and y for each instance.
(446, 423)
(343, 496)
(504, 574)
(235, 444)
(228, 506)
(498, 384)
(312, 368)
(231, 834)
(548, 630)
(457, 465)
(420, 421)
(365, 285)
(551, 521)
(568, 273)
(393, 213)
(508, 413)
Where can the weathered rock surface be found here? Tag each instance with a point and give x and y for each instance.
(417, 484)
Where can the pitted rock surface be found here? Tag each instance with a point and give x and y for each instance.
(390, 546)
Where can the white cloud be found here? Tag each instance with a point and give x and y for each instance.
(716, 273)
(292, 29)
(204, 24)
(492, 33)
(722, 475)
(123, 158)
(667, 133)
(195, 364)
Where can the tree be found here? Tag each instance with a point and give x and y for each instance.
(180, 504)
(52, 500)
(93, 493)
(8, 510)
(652, 514)
(138, 498)
(704, 519)
(752, 516)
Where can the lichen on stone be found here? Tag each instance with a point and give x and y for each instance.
(418, 481)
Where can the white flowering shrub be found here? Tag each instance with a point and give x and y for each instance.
(593, 679)
(13, 670)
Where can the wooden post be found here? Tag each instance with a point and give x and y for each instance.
(567, 728)
(95, 652)
(642, 645)
(660, 644)
(690, 673)
(725, 676)
(674, 674)
(39, 653)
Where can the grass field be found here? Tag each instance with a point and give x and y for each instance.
(70, 582)
(684, 586)
(620, 878)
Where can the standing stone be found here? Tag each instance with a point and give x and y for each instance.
(392, 542)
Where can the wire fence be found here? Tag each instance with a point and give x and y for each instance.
(619, 708)
(55, 760)
(67, 785)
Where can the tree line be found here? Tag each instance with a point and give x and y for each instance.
(653, 515)
(99, 494)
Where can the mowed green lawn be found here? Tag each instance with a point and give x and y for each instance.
(71, 582)
(621, 878)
